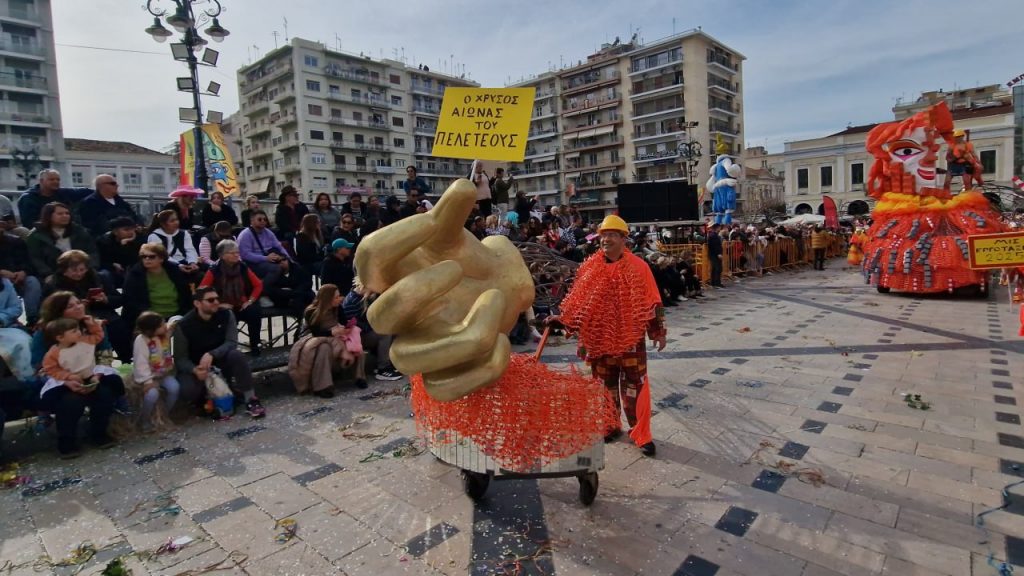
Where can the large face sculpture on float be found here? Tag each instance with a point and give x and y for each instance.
(906, 152)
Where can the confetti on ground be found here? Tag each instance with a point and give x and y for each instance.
(288, 529)
(812, 476)
(743, 330)
(914, 401)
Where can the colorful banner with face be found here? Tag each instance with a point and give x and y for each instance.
(220, 168)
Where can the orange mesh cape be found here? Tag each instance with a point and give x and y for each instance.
(530, 417)
(610, 304)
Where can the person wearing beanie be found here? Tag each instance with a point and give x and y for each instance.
(119, 248)
(338, 266)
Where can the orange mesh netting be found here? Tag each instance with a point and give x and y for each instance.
(611, 304)
(531, 416)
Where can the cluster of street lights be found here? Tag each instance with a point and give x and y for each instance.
(185, 16)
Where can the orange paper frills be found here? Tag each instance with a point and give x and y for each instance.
(530, 417)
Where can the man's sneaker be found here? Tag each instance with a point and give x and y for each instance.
(255, 409)
(388, 375)
(649, 449)
(122, 407)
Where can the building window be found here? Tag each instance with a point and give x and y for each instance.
(312, 85)
(395, 79)
(156, 178)
(315, 109)
(396, 121)
(357, 116)
(826, 176)
(316, 134)
(320, 182)
(988, 161)
(339, 182)
(359, 139)
(361, 161)
(312, 61)
(399, 163)
(857, 174)
(396, 100)
(399, 142)
(339, 159)
(337, 136)
(318, 158)
(335, 114)
(801, 178)
(382, 184)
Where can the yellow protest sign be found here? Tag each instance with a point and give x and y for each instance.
(484, 123)
(996, 250)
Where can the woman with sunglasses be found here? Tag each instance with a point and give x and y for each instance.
(155, 284)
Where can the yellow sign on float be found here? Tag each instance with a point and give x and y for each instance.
(996, 250)
(484, 123)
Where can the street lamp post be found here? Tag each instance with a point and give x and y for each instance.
(185, 17)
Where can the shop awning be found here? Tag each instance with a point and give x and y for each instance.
(257, 186)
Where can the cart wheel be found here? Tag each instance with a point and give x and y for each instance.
(882, 289)
(475, 484)
(588, 488)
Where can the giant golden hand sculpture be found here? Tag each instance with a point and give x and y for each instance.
(449, 298)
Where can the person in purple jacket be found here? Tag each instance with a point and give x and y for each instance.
(285, 282)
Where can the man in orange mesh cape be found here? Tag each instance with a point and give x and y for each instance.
(614, 301)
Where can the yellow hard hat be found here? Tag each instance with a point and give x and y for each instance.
(958, 133)
(613, 222)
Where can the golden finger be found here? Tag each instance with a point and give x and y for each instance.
(379, 252)
(427, 351)
(450, 214)
(455, 382)
(413, 298)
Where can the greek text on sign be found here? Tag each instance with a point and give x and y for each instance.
(996, 250)
(484, 123)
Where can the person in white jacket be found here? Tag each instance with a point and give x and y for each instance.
(180, 249)
(153, 367)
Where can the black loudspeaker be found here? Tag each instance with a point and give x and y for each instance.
(658, 202)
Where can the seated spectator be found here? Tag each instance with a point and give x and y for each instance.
(239, 289)
(216, 210)
(391, 213)
(354, 306)
(183, 201)
(8, 223)
(180, 250)
(15, 343)
(153, 366)
(155, 284)
(62, 305)
(119, 249)
(329, 215)
(285, 283)
(288, 217)
(103, 206)
(356, 207)
(309, 244)
(54, 235)
(15, 266)
(338, 268)
(208, 245)
(206, 338)
(75, 381)
(494, 227)
(347, 229)
(252, 204)
(48, 190)
(323, 351)
(102, 300)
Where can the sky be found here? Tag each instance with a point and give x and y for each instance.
(812, 67)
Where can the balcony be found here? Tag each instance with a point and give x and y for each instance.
(288, 143)
(23, 117)
(655, 90)
(23, 46)
(353, 75)
(257, 128)
(371, 102)
(9, 145)
(720, 61)
(672, 107)
(444, 171)
(420, 88)
(573, 106)
(542, 133)
(384, 169)
(425, 130)
(596, 142)
(589, 80)
(263, 76)
(659, 133)
(285, 120)
(258, 150)
(361, 123)
(353, 145)
(543, 94)
(18, 79)
(429, 110)
(568, 132)
(724, 128)
(258, 106)
(283, 95)
(722, 107)
(716, 83)
(25, 13)
(602, 165)
(533, 171)
(653, 156)
(645, 64)
(534, 152)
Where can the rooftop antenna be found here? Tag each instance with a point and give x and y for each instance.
(403, 54)
(673, 25)
(274, 34)
(285, 28)
(337, 42)
(257, 50)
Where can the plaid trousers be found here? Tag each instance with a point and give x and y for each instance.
(624, 376)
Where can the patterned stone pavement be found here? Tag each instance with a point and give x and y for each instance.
(785, 448)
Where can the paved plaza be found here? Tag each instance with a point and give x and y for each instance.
(786, 447)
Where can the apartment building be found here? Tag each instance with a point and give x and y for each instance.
(329, 121)
(625, 114)
(762, 186)
(838, 164)
(30, 122)
(539, 174)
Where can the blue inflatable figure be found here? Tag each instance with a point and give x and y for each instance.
(722, 183)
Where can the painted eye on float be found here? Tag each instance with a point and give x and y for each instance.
(905, 149)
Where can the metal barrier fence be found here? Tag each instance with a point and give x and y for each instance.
(738, 258)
